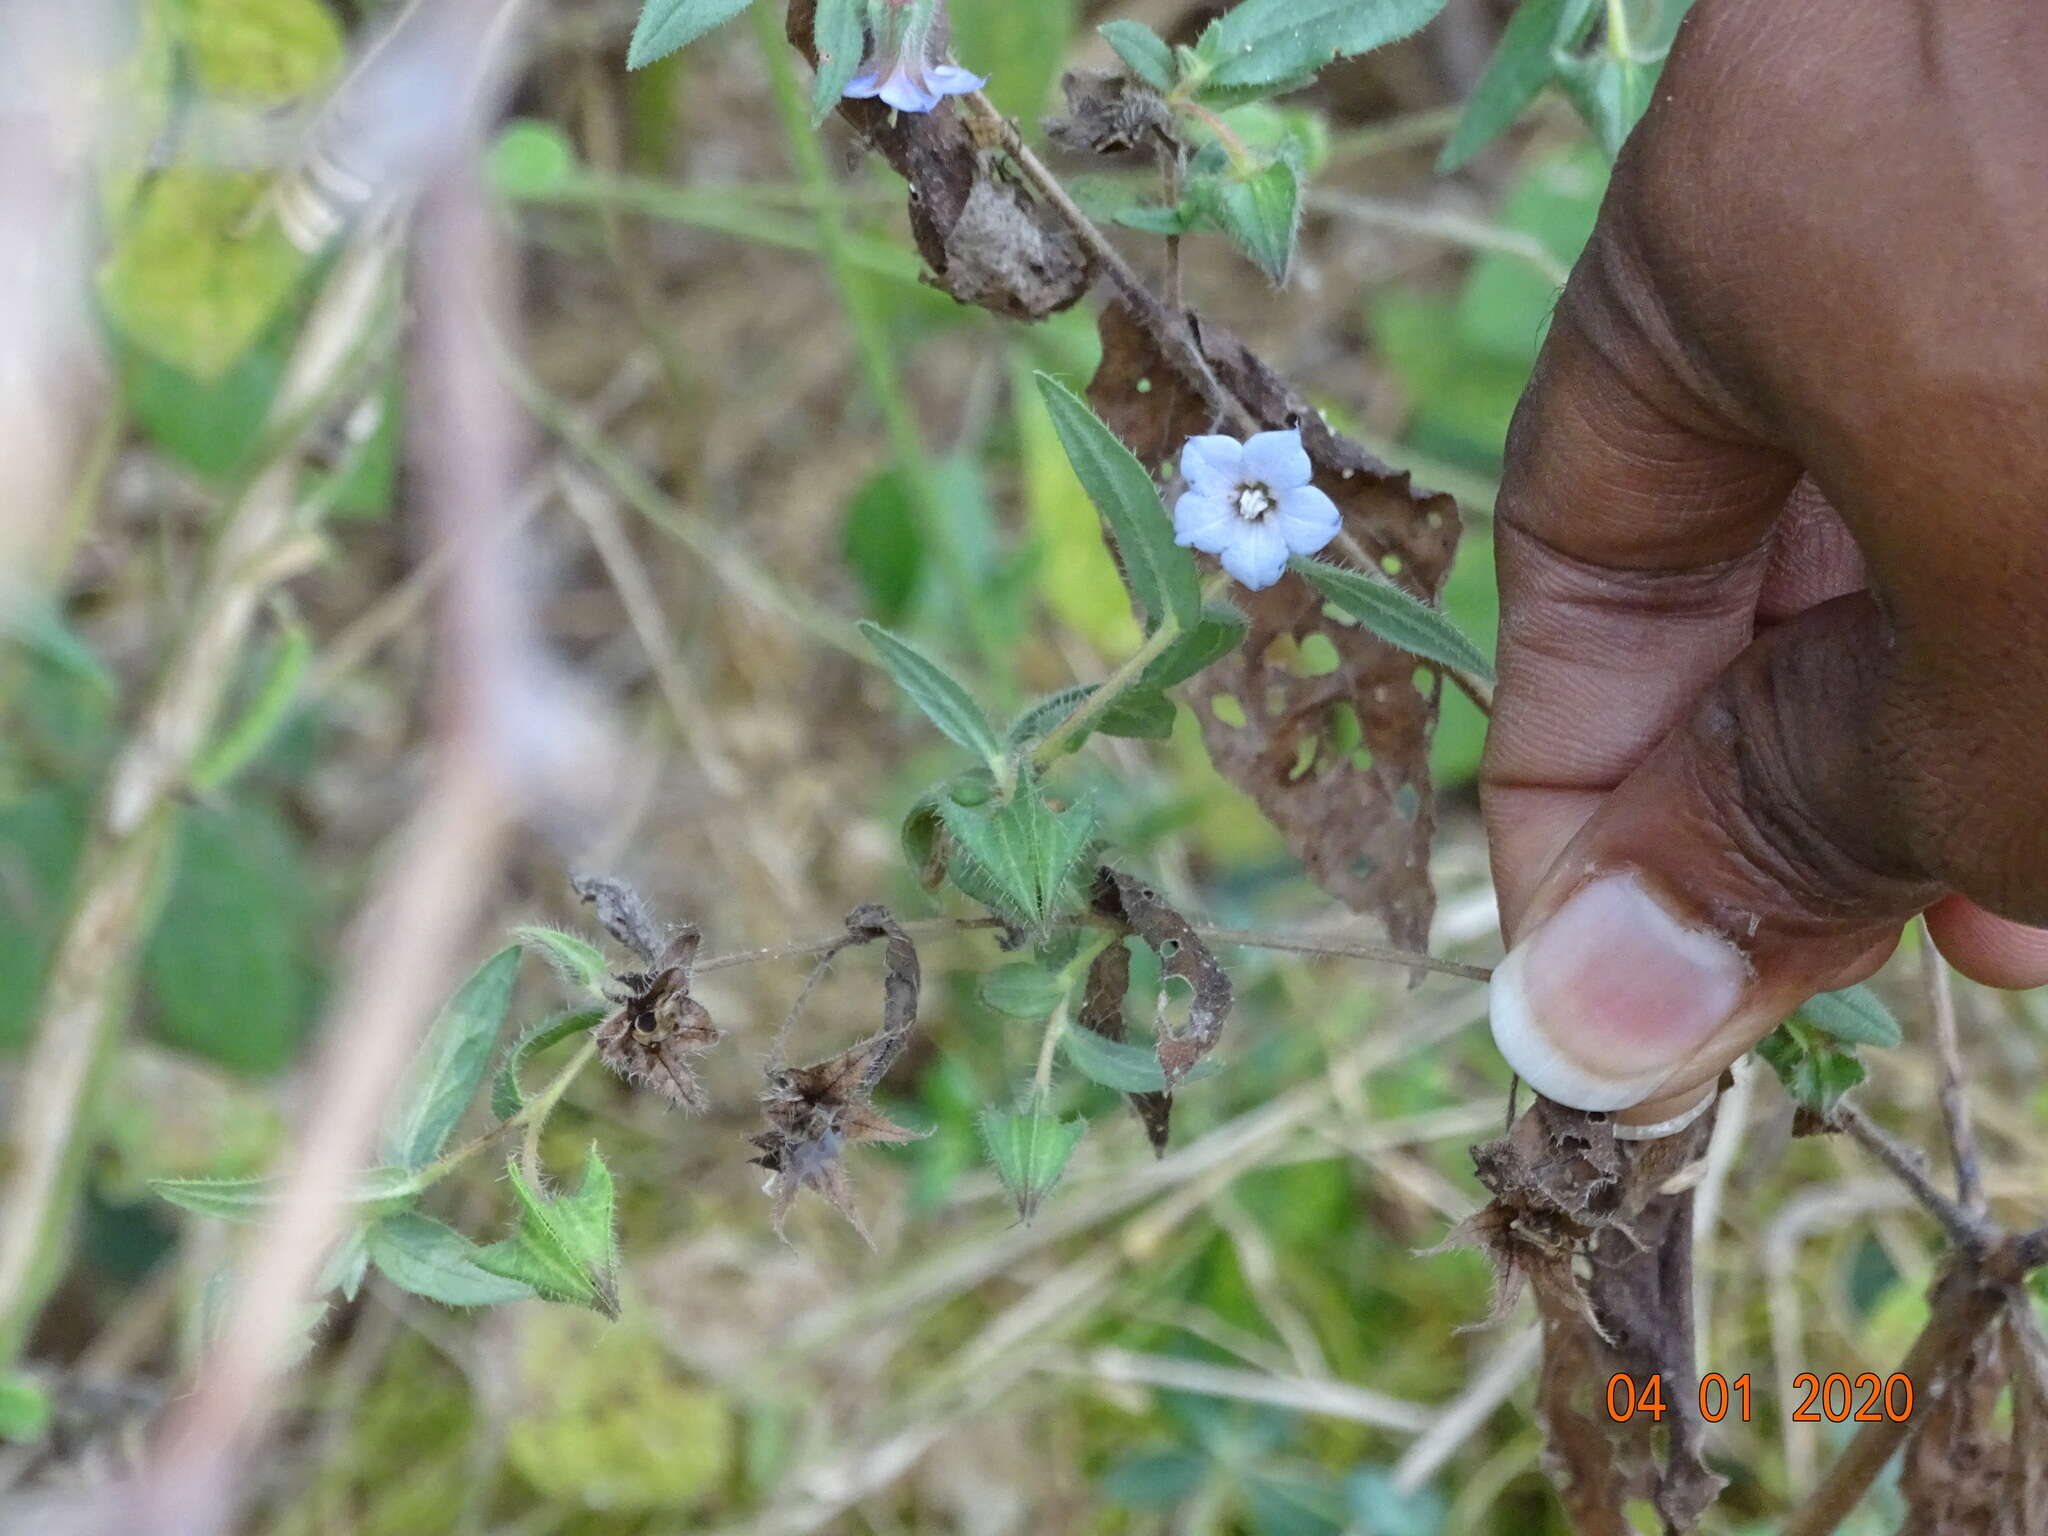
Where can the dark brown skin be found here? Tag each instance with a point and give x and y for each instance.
(1773, 538)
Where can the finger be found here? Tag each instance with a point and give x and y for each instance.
(1987, 948)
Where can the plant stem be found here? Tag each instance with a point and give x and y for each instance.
(534, 1115)
(871, 337)
(1108, 691)
(1041, 1081)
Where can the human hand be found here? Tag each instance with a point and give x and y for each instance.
(1773, 546)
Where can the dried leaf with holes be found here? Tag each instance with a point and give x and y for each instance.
(1336, 757)
(1102, 1013)
(658, 1026)
(985, 240)
(1182, 954)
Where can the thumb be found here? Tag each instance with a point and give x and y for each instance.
(1754, 857)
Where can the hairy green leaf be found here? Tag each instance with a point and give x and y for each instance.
(842, 37)
(1395, 617)
(578, 962)
(1521, 66)
(1854, 1015)
(379, 1191)
(1030, 1151)
(934, 690)
(1221, 631)
(1814, 1070)
(1143, 51)
(507, 1097)
(1161, 574)
(1023, 990)
(430, 1259)
(1260, 211)
(565, 1248)
(1018, 856)
(450, 1063)
(1277, 42)
(666, 25)
(1124, 1067)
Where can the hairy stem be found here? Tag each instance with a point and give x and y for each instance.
(1108, 691)
(534, 1116)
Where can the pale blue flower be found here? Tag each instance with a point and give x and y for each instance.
(1250, 504)
(907, 68)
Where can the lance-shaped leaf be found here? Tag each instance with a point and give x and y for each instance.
(842, 37)
(934, 690)
(1143, 51)
(507, 1096)
(565, 1248)
(1182, 955)
(430, 1259)
(1160, 573)
(1030, 1150)
(1395, 617)
(1127, 1068)
(1814, 1070)
(1278, 42)
(581, 965)
(1221, 631)
(1854, 1015)
(377, 1192)
(666, 25)
(450, 1063)
(1521, 66)
(1139, 713)
(1260, 210)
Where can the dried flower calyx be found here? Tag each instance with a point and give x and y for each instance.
(815, 1112)
(659, 1026)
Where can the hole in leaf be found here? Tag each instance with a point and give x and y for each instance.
(1226, 708)
(1317, 656)
(1391, 563)
(1304, 759)
(1345, 732)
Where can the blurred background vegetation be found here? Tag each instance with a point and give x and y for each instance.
(1238, 1338)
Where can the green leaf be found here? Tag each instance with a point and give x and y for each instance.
(1018, 856)
(1521, 66)
(231, 971)
(565, 1248)
(1153, 218)
(1854, 1015)
(1260, 211)
(199, 271)
(883, 543)
(430, 1259)
(1160, 573)
(450, 1063)
(579, 963)
(919, 839)
(1023, 990)
(935, 691)
(1030, 1151)
(345, 1266)
(1139, 712)
(1395, 617)
(380, 1192)
(1610, 93)
(24, 1410)
(243, 742)
(507, 1097)
(842, 37)
(1814, 1070)
(1221, 631)
(1126, 1068)
(666, 25)
(1276, 42)
(1143, 51)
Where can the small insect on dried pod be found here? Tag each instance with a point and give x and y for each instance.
(658, 1026)
(813, 1114)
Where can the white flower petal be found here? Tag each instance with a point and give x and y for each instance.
(869, 84)
(1212, 464)
(952, 80)
(1306, 518)
(1278, 459)
(906, 91)
(1257, 556)
(1205, 522)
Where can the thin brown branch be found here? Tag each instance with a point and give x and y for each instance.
(1955, 1103)
(1968, 1228)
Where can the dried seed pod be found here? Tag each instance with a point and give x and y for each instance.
(659, 1026)
(815, 1112)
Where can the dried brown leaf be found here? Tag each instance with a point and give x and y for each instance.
(1339, 762)
(1102, 1013)
(1585, 1222)
(985, 240)
(1182, 954)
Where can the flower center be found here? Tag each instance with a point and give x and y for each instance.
(1253, 502)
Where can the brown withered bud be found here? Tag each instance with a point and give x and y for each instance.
(813, 1114)
(1108, 114)
(658, 1026)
